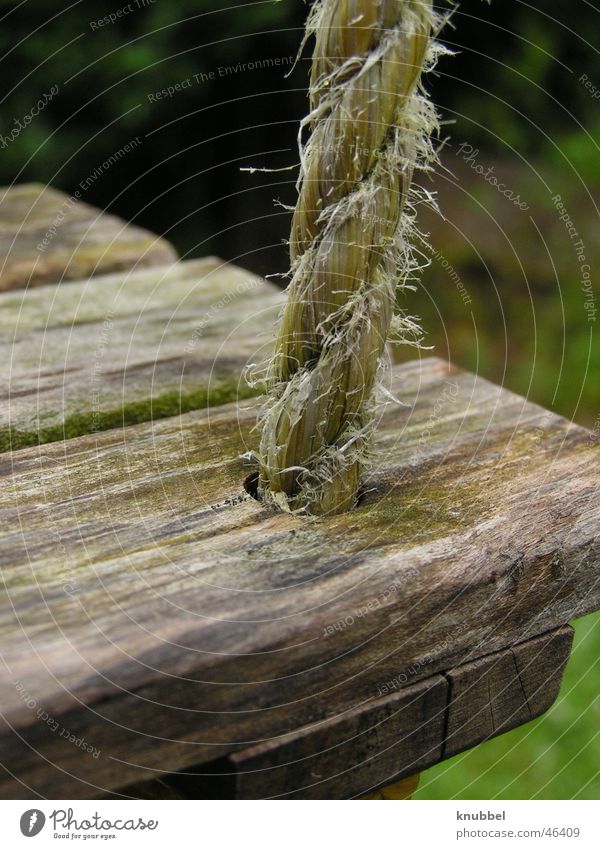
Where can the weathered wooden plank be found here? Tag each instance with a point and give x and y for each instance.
(47, 236)
(491, 696)
(155, 609)
(390, 737)
(349, 756)
(128, 348)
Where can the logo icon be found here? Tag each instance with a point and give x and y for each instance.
(32, 822)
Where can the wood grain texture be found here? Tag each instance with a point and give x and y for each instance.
(366, 752)
(128, 347)
(155, 610)
(493, 695)
(46, 236)
(404, 733)
(347, 757)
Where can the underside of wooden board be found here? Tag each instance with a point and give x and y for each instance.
(392, 737)
(129, 347)
(409, 731)
(156, 611)
(47, 236)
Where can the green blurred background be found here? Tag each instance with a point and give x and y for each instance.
(503, 294)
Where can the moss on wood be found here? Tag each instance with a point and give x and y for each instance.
(159, 407)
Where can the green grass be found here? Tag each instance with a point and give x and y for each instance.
(553, 757)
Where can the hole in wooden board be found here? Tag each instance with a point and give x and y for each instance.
(251, 486)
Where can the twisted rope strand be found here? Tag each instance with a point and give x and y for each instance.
(349, 247)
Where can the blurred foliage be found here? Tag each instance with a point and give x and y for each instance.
(525, 324)
(511, 85)
(518, 71)
(181, 179)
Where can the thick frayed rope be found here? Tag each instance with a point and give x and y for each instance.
(351, 247)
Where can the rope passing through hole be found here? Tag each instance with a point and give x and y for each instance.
(353, 244)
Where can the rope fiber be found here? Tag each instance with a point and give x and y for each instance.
(351, 247)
